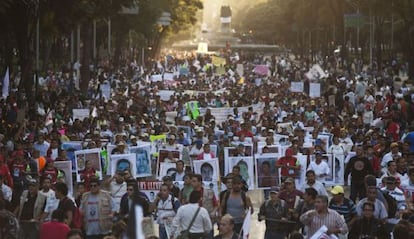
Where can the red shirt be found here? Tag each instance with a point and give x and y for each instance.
(54, 230)
(4, 170)
(290, 161)
(50, 173)
(86, 175)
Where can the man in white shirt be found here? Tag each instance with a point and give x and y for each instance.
(390, 155)
(117, 188)
(312, 183)
(5, 190)
(51, 201)
(179, 175)
(185, 214)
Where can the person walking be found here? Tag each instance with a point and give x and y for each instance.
(56, 228)
(322, 215)
(275, 211)
(368, 226)
(193, 218)
(98, 209)
(226, 230)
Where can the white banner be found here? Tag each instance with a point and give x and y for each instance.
(296, 86)
(314, 90)
(80, 114)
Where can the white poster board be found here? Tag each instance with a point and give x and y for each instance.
(80, 113)
(314, 90)
(246, 169)
(142, 159)
(88, 155)
(122, 163)
(208, 168)
(296, 86)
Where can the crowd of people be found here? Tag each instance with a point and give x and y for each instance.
(367, 111)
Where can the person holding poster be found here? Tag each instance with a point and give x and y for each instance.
(289, 164)
(206, 154)
(87, 174)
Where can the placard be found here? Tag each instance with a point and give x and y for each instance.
(246, 169)
(143, 159)
(65, 174)
(296, 86)
(88, 155)
(122, 163)
(80, 114)
(314, 90)
(267, 174)
(208, 168)
(150, 188)
(70, 148)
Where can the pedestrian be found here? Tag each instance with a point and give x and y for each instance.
(322, 215)
(311, 182)
(193, 218)
(98, 209)
(368, 226)
(275, 212)
(237, 204)
(343, 205)
(226, 230)
(208, 198)
(56, 228)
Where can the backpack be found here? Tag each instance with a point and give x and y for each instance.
(392, 204)
(226, 197)
(77, 217)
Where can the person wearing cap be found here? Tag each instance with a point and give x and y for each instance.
(289, 165)
(311, 182)
(98, 209)
(121, 148)
(322, 215)
(274, 211)
(290, 194)
(394, 152)
(343, 205)
(105, 131)
(392, 189)
(30, 210)
(320, 167)
(380, 212)
(358, 167)
(174, 190)
(133, 140)
(368, 226)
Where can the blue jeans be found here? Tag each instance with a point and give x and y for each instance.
(162, 233)
(274, 235)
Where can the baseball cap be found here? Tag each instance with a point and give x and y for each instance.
(274, 189)
(166, 178)
(289, 180)
(337, 190)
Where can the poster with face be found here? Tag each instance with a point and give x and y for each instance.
(142, 159)
(124, 164)
(167, 156)
(246, 168)
(318, 168)
(70, 148)
(156, 142)
(338, 169)
(86, 160)
(187, 131)
(270, 149)
(267, 174)
(167, 169)
(228, 152)
(209, 169)
(65, 174)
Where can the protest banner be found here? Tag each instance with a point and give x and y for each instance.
(70, 147)
(246, 169)
(120, 163)
(267, 174)
(150, 188)
(261, 70)
(165, 95)
(65, 174)
(314, 90)
(80, 114)
(296, 86)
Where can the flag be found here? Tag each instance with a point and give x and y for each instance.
(6, 83)
(193, 110)
(246, 224)
(49, 118)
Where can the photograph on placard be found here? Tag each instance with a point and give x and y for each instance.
(208, 168)
(338, 169)
(124, 164)
(156, 142)
(262, 147)
(70, 148)
(167, 169)
(167, 156)
(322, 168)
(143, 159)
(267, 174)
(88, 160)
(241, 150)
(65, 174)
(246, 168)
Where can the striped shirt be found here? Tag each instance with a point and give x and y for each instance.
(346, 209)
(332, 220)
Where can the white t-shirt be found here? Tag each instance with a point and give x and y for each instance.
(117, 191)
(321, 168)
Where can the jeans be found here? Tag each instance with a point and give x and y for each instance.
(357, 190)
(274, 235)
(162, 232)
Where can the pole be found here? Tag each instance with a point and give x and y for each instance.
(94, 40)
(72, 48)
(109, 37)
(78, 44)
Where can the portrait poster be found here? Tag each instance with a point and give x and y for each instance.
(228, 152)
(329, 179)
(122, 163)
(150, 188)
(280, 139)
(208, 168)
(325, 140)
(301, 176)
(168, 156)
(338, 169)
(296, 86)
(267, 174)
(70, 148)
(214, 149)
(246, 169)
(187, 131)
(167, 169)
(272, 149)
(247, 150)
(156, 142)
(110, 148)
(143, 159)
(92, 156)
(65, 174)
